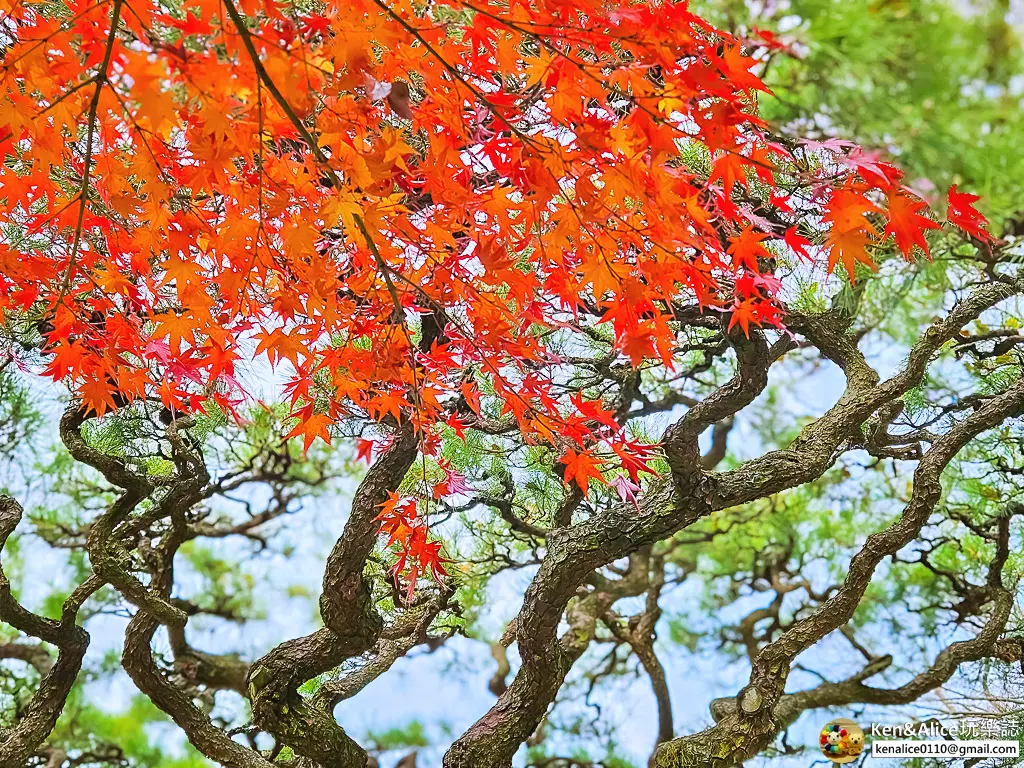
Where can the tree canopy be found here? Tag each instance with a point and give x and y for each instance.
(692, 313)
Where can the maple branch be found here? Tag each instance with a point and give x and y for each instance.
(324, 161)
(452, 71)
(64, 25)
(351, 622)
(321, 159)
(549, 225)
(101, 79)
(293, 118)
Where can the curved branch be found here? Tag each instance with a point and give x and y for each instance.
(352, 626)
(576, 551)
(137, 657)
(20, 741)
(747, 730)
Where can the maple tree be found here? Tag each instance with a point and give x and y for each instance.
(436, 223)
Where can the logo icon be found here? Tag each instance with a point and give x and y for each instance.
(842, 740)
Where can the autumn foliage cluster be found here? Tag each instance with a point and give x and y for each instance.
(404, 207)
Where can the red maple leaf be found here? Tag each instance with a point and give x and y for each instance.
(798, 243)
(907, 225)
(364, 449)
(634, 456)
(190, 25)
(962, 213)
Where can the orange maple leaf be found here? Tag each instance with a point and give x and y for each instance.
(311, 427)
(581, 467)
(849, 247)
(98, 395)
(746, 249)
(851, 231)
